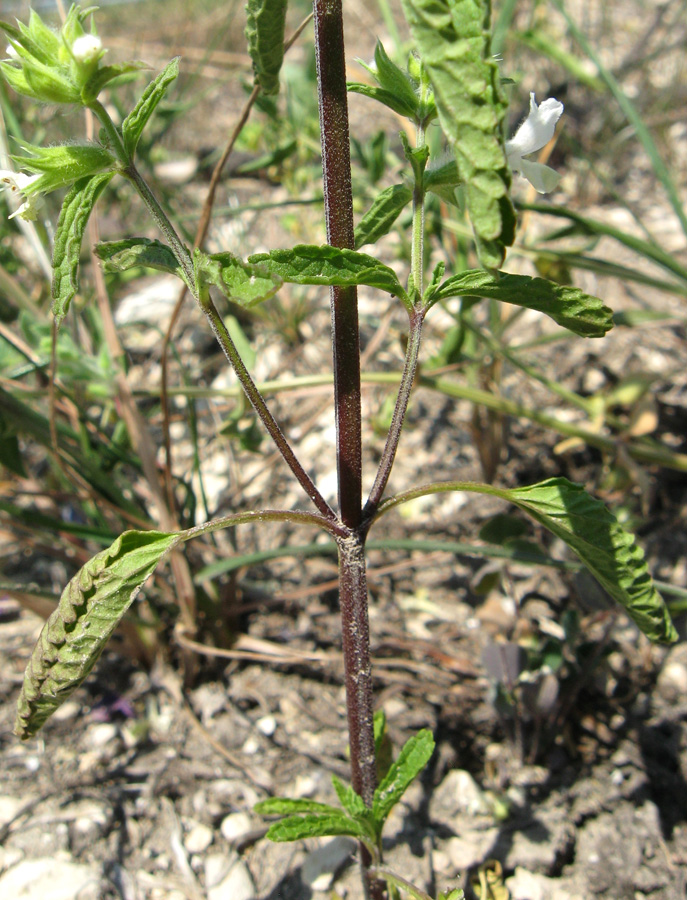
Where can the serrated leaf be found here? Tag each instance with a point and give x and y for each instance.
(89, 610)
(118, 256)
(63, 164)
(453, 40)
(76, 209)
(380, 217)
(135, 122)
(265, 25)
(297, 828)
(353, 803)
(411, 761)
(242, 283)
(568, 306)
(607, 550)
(313, 264)
(284, 806)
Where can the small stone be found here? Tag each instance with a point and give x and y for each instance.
(458, 795)
(321, 865)
(251, 746)
(267, 725)
(235, 825)
(672, 680)
(524, 885)
(10, 806)
(236, 884)
(68, 710)
(102, 734)
(198, 839)
(471, 848)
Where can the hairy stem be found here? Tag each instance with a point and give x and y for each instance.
(407, 379)
(258, 403)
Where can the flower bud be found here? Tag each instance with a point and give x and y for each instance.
(87, 49)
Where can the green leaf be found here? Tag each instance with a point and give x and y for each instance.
(103, 76)
(607, 550)
(242, 283)
(118, 256)
(411, 761)
(386, 98)
(62, 165)
(313, 264)
(393, 79)
(76, 208)
(380, 217)
(135, 122)
(297, 828)
(284, 806)
(383, 747)
(568, 306)
(453, 39)
(353, 803)
(266, 21)
(89, 610)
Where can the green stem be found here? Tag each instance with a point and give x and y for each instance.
(418, 228)
(258, 403)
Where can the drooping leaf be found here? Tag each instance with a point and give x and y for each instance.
(568, 306)
(411, 761)
(452, 37)
(89, 610)
(242, 283)
(76, 208)
(135, 122)
(314, 264)
(63, 164)
(380, 217)
(118, 256)
(265, 25)
(607, 550)
(297, 828)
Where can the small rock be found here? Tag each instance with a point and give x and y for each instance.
(458, 795)
(198, 839)
(672, 680)
(235, 825)
(102, 734)
(48, 878)
(321, 865)
(267, 725)
(250, 746)
(68, 710)
(236, 884)
(10, 806)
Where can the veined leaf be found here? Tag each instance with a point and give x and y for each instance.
(453, 39)
(135, 122)
(353, 803)
(386, 98)
(284, 806)
(297, 828)
(89, 610)
(76, 208)
(240, 282)
(607, 550)
(568, 306)
(313, 264)
(103, 76)
(380, 217)
(411, 761)
(118, 256)
(265, 25)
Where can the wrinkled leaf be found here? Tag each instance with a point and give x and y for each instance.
(284, 806)
(118, 256)
(265, 25)
(89, 610)
(242, 283)
(297, 828)
(607, 550)
(568, 306)
(453, 40)
(411, 761)
(313, 264)
(380, 217)
(353, 803)
(76, 209)
(135, 122)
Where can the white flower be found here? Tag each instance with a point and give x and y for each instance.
(11, 52)
(534, 133)
(87, 48)
(17, 183)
